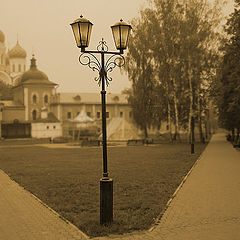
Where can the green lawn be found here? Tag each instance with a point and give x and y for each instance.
(67, 180)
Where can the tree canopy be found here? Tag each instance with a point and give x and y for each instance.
(227, 89)
(5, 91)
(172, 56)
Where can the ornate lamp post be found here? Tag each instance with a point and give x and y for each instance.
(82, 32)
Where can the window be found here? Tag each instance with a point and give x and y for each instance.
(47, 127)
(34, 114)
(98, 114)
(167, 127)
(15, 121)
(116, 99)
(19, 67)
(54, 127)
(46, 99)
(13, 68)
(89, 114)
(107, 114)
(69, 115)
(24, 67)
(34, 98)
(130, 114)
(121, 114)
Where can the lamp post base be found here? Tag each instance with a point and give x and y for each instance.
(106, 201)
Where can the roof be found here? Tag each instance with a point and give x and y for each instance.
(10, 103)
(89, 98)
(17, 52)
(51, 118)
(34, 76)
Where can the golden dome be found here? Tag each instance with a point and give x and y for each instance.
(2, 37)
(17, 52)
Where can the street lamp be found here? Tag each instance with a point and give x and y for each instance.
(82, 31)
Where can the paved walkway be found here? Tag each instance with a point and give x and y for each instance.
(24, 217)
(207, 206)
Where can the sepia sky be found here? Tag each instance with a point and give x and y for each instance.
(42, 27)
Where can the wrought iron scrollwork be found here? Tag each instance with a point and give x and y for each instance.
(98, 80)
(102, 47)
(113, 61)
(89, 59)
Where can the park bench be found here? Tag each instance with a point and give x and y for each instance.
(135, 142)
(90, 142)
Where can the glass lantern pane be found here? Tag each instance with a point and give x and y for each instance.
(85, 29)
(124, 36)
(116, 36)
(84, 33)
(89, 33)
(76, 33)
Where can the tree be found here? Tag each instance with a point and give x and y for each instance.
(172, 50)
(5, 91)
(228, 85)
(184, 53)
(140, 72)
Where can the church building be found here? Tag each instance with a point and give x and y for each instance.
(37, 110)
(12, 62)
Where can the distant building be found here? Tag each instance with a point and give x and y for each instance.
(37, 110)
(12, 62)
(66, 106)
(47, 126)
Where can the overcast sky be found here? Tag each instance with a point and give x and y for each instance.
(42, 27)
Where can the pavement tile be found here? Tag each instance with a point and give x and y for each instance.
(207, 206)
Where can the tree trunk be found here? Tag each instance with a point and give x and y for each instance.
(189, 119)
(200, 119)
(145, 132)
(169, 121)
(206, 129)
(192, 134)
(206, 122)
(237, 137)
(233, 135)
(169, 113)
(202, 139)
(176, 134)
(191, 102)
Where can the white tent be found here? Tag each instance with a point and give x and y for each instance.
(120, 129)
(83, 121)
(82, 118)
(80, 123)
